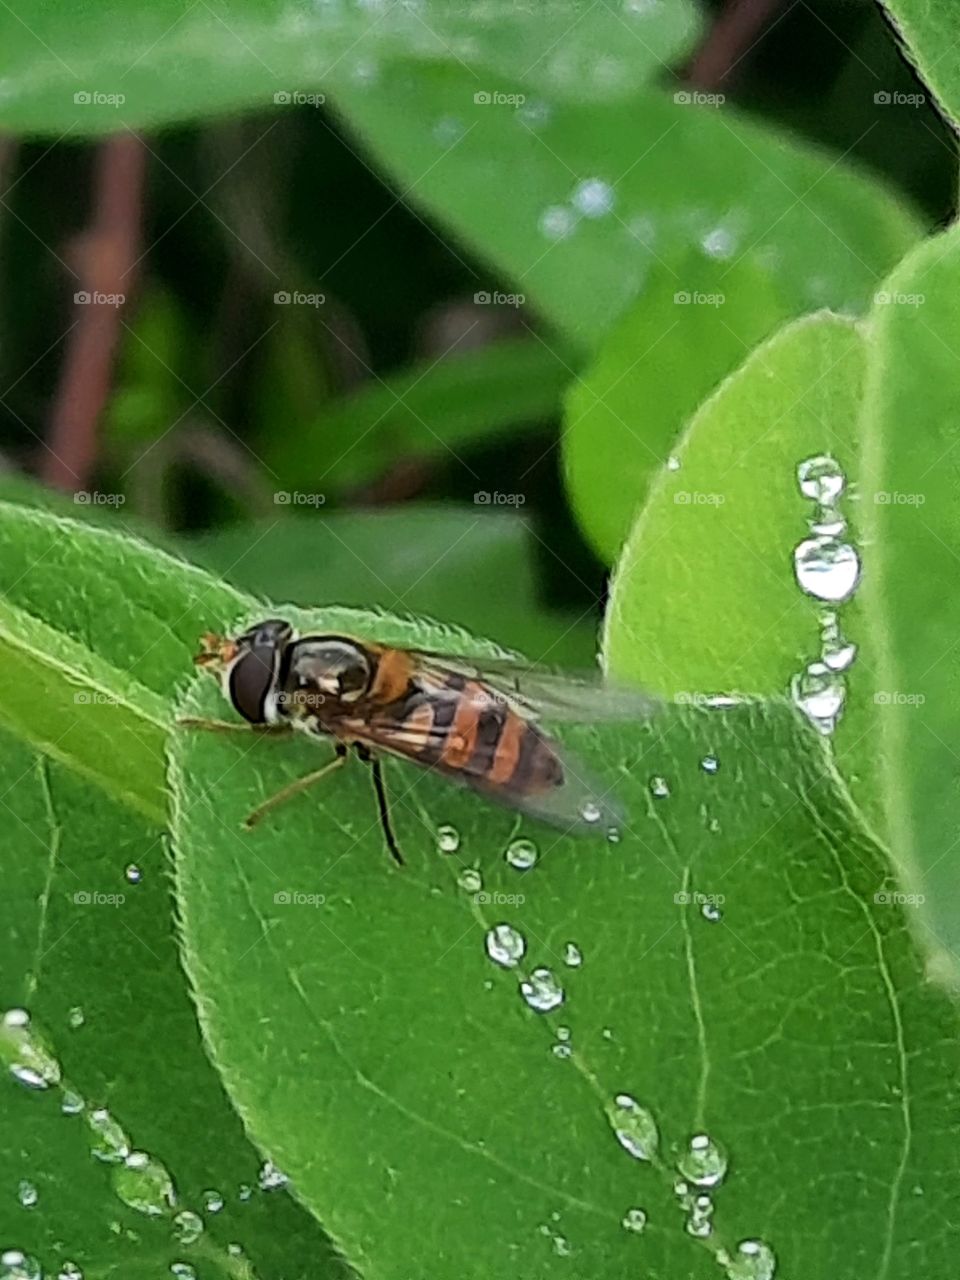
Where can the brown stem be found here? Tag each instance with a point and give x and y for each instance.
(736, 30)
(105, 256)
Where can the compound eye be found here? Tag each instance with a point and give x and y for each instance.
(251, 679)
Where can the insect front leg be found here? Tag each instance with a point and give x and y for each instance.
(231, 726)
(294, 788)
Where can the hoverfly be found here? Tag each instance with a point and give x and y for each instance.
(474, 723)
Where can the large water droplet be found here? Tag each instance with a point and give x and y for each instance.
(522, 854)
(505, 945)
(594, 197)
(704, 1163)
(821, 479)
(270, 1177)
(634, 1220)
(542, 991)
(110, 1142)
(754, 1260)
(17, 1265)
(187, 1227)
(448, 839)
(144, 1183)
(827, 569)
(557, 222)
(634, 1126)
(27, 1194)
(29, 1058)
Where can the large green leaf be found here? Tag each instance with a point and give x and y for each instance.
(930, 32)
(468, 566)
(672, 348)
(911, 482)
(170, 61)
(438, 1124)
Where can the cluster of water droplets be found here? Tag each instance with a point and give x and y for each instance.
(592, 198)
(827, 567)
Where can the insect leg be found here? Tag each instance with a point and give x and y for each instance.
(230, 726)
(294, 788)
(367, 756)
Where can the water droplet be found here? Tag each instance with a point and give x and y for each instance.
(562, 1050)
(244, 1191)
(16, 1265)
(26, 1052)
(563, 1033)
(71, 1104)
(719, 243)
(522, 854)
(448, 839)
(505, 946)
(710, 911)
(557, 222)
(634, 1220)
(704, 1163)
(673, 463)
(187, 1227)
(821, 479)
(144, 1183)
(594, 197)
(69, 1271)
(820, 695)
(183, 1271)
(572, 955)
(634, 1126)
(659, 787)
(133, 873)
(561, 1246)
(613, 835)
(212, 1201)
(470, 880)
(110, 1142)
(76, 1018)
(709, 764)
(590, 812)
(270, 1177)
(27, 1194)
(700, 1211)
(827, 569)
(542, 991)
(840, 658)
(754, 1260)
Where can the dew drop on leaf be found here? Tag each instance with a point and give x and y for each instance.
(110, 1142)
(71, 1104)
(634, 1220)
(183, 1271)
(17, 1265)
(505, 945)
(30, 1059)
(270, 1177)
(753, 1260)
(27, 1194)
(821, 478)
(827, 569)
(76, 1018)
(709, 764)
(70, 1271)
(470, 880)
(704, 1163)
(133, 873)
(710, 911)
(542, 991)
(820, 695)
(634, 1127)
(212, 1201)
(557, 222)
(187, 1227)
(143, 1183)
(659, 787)
(590, 812)
(719, 243)
(594, 198)
(448, 839)
(572, 955)
(244, 1191)
(522, 854)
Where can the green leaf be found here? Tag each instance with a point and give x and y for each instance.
(672, 348)
(469, 566)
(600, 193)
(433, 410)
(138, 66)
(714, 546)
(395, 1072)
(911, 478)
(93, 958)
(928, 29)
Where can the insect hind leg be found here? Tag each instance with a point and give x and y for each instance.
(294, 788)
(376, 772)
